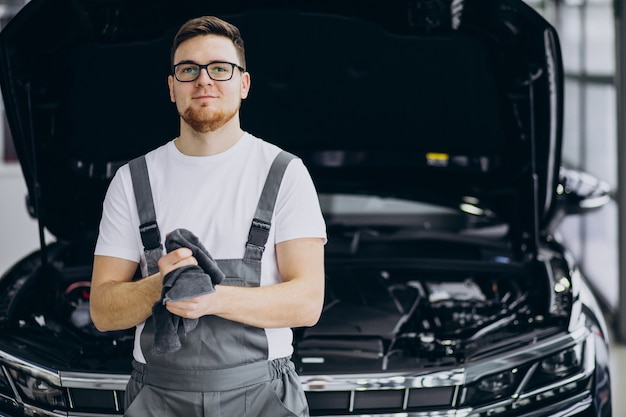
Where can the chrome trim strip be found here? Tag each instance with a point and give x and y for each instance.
(37, 371)
(455, 395)
(525, 380)
(67, 379)
(386, 381)
(117, 401)
(70, 398)
(405, 399)
(93, 381)
(16, 394)
(351, 404)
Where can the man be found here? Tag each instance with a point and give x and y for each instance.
(210, 180)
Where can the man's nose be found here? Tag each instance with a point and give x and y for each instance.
(203, 77)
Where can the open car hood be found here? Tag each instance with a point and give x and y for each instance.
(422, 99)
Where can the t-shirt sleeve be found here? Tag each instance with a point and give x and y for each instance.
(117, 235)
(297, 212)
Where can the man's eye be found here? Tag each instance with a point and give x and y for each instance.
(188, 70)
(219, 68)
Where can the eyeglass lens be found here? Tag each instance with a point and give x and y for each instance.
(218, 71)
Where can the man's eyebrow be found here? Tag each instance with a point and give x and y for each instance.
(186, 61)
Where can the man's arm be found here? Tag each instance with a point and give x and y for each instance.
(116, 301)
(295, 302)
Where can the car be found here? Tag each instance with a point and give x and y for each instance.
(433, 132)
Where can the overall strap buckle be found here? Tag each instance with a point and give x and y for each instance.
(150, 235)
(259, 232)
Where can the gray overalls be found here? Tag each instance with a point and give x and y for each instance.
(221, 369)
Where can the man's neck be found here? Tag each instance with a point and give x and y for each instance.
(194, 143)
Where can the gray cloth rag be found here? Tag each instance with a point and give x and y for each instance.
(181, 284)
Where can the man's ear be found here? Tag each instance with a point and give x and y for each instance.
(170, 84)
(245, 84)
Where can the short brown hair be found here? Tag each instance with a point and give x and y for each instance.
(209, 25)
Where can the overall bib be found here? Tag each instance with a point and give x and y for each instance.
(221, 370)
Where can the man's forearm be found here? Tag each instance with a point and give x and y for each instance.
(121, 305)
(281, 305)
(288, 304)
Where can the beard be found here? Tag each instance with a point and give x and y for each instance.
(202, 121)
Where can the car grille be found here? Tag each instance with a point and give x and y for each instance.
(393, 400)
(96, 401)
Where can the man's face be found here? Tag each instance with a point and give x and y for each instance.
(205, 104)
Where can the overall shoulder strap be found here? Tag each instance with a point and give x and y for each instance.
(261, 223)
(148, 228)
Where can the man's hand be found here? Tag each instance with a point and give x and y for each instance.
(176, 259)
(191, 308)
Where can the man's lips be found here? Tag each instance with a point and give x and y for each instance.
(204, 97)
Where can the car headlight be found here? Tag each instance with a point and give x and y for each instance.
(500, 383)
(494, 387)
(564, 362)
(558, 366)
(557, 374)
(37, 391)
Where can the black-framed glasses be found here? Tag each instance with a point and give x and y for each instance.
(218, 71)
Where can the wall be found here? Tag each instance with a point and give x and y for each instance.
(19, 230)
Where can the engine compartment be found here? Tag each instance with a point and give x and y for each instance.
(44, 313)
(393, 317)
(380, 313)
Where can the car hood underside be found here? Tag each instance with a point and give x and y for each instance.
(477, 111)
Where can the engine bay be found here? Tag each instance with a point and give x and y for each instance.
(381, 319)
(380, 314)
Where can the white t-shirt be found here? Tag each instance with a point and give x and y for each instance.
(215, 197)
